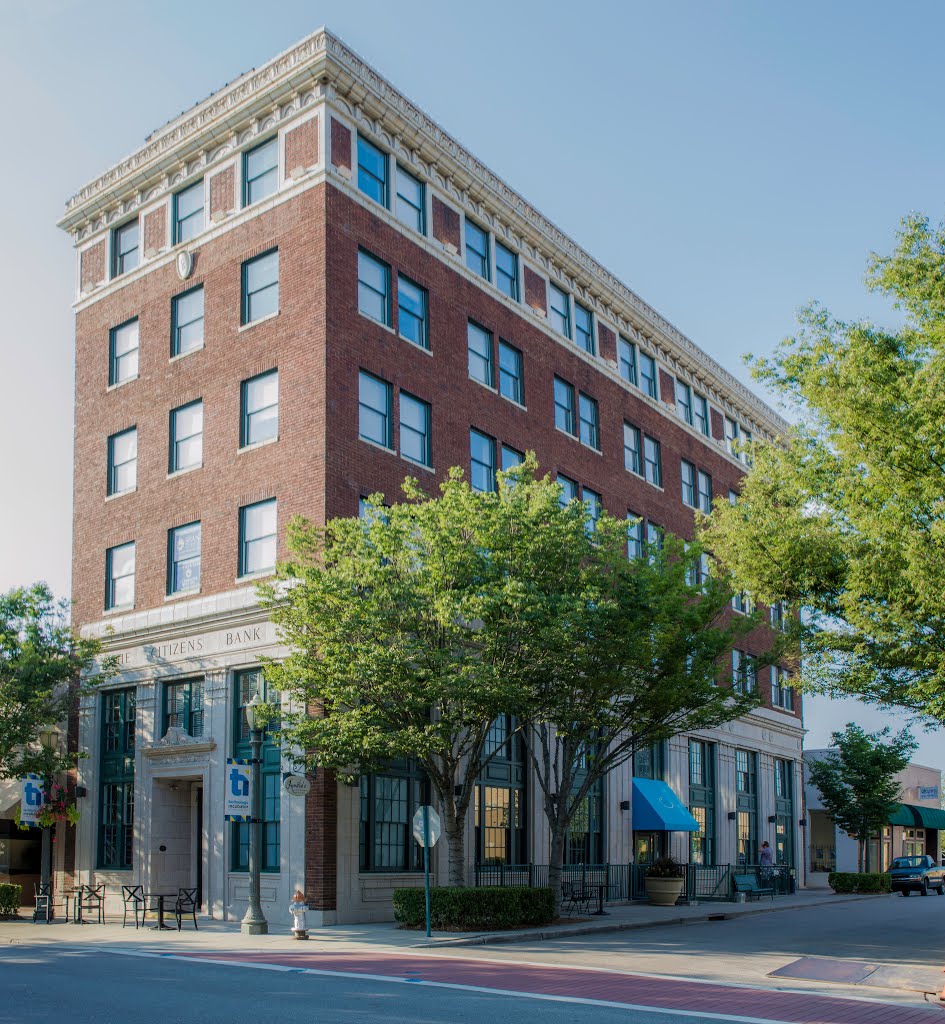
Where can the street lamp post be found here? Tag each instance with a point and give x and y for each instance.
(49, 739)
(254, 920)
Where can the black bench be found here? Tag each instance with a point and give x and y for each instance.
(752, 887)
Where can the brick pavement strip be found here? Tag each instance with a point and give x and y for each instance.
(610, 987)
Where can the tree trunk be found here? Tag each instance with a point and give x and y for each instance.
(454, 828)
(556, 863)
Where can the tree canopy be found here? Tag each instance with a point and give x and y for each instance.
(847, 518)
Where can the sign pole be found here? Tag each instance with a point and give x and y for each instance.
(426, 861)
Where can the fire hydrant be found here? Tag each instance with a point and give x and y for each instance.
(297, 909)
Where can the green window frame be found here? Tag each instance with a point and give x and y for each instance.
(704, 492)
(412, 317)
(187, 321)
(647, 374)
(261, 171)
(388, 801)
(499, 799)
(700, 413)
(511, 457)
(506, 271)
(584, 328)
(627, 360)
(374, 298)
(652, 462)
(477, 249)
(125, 248)
(632, 449)
(183, 706)
(260, 287)
(122, 462)
(479, 358)
(482, 463)
(117, 775)
(784, 811)
(257, 537)
(559, 310)
(511, 380)
(564, 407)
(649, 762)
(411, 206)
(185, 450)
(569, 490)
(684, 401)
(635, 527)
(687, 473)
(259, 408)
(595, 505)
(589, 421)
(120, 576)
(123, 347)
(375, 413)
(373, 171)
(188, 210)
(415, 430)
(702, 801)
(183, 558)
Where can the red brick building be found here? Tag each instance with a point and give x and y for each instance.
(292, 296)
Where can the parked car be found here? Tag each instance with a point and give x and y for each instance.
(918, 873)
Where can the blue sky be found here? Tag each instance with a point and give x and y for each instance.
(728, 161)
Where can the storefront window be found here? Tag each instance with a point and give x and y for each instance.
(746, 807)
(702, 801)
(117, 795)
(499, 804)
(389, 801)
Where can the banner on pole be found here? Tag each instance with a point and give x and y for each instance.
(31, 799)
(237, 800)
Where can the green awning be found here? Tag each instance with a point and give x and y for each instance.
(913, 816)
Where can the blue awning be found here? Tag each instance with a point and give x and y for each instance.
(656, 808)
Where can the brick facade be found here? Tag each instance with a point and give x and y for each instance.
(92, 264)
(155, 231)
(222, 193)
(301, 147)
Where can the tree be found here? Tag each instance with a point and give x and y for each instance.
(41, 660)
(846, 518)
(858, 784)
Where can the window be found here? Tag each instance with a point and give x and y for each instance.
(123, 352)
(183, 558)
(374, 288)
(744, 776)
(259, 408)
(782, 693)
(372, 171)
(501, 829)
(412, 312)
(120, 576)
(584, 842)
(261, 286)
(188, 212)
(257, 539)
(634, 535)
(187, 322)
(594, 507)
(186, 447)
(375, 422)
(479, 345)
(741, 602)
(627, 360)
(652, 466)
(477, 249)
(784, 810)
(684, 401)
(260, 171)
(415, 441)
(702, 801)
(588, 417)
(778, 615)
(688, 472)
(632, 449)
(411, 204)
(123, 461)
(387, 806)
(511, 384)
(647, 375)
(125, 248)
(564, 406)
(746, 455)
(511, 457)
(559, 310)
(183, 707)
(569, 490)
(732, 497)
(583, 328)
(705, 492)
(743, 672)
(731, 436)
(700, 413)
(506, 271)
(654, 542)
(117, 795)
(481, 461)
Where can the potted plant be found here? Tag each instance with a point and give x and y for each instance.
(664, 881)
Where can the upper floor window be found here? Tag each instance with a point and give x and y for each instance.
(125, 248)
(589, 421)
(261, 286)
(412, 312)
(123, 352)
(741, 602)
(632, 449)
(374, 288)
(700, 413)
(511, 383)
(375, 422)
(684, 401)
(260, 171)
(183, 558)
(745, 771)
(782, 693)
(652, 465)
(627, 360)
(688, 473)
(372, 171)
(411, 201)
(506, 271)
(477, 249)
(595, 506)
(259, 408)
(482, 468)
(415, 440)
(705, 492)
(569, 490)
(479, 354)
(778, 615)
(257, 537)
(186, 447)
(120, 576)
(559, 310)
(647, 374)
(183, 707)
(731, 435)
(634, 535)
(511, 457)
(564, 407)
(583, 328)
(187, 321)
(123, 461)
(743, 672)
(188, 212)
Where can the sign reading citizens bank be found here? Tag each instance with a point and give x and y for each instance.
(238, 790)
(195, 647)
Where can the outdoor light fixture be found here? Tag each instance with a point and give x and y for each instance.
(254, 717)
(625, 805)
(772, 818)
(254, 920)
(732, 815)
(49, 738)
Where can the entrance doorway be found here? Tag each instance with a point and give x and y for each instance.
(647, 847)
(177, 842)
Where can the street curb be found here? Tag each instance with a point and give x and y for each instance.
(543, 934)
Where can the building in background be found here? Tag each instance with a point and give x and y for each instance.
(293, 295)
(914, 827)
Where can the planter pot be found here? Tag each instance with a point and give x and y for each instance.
(663, 892)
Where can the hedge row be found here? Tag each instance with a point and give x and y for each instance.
(859, 881)
(10, 896)
(455, 909)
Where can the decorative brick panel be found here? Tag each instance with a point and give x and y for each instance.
(536, 290)
(667, 388)
(223, 193)
(321, 842)
(445, 224)
(606, 342)
(340, 145)
(301, 146)
(155, 231)
(93, 264)
(718, 426)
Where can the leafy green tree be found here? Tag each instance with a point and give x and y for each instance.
(41, 660)
(857, 782)
(847, 518)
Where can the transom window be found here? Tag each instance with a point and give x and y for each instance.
(120, 576)
(589, 421)
(482, 467)
(688, 473)
(506, 271)
(372, 171)
(259, 408)
(647, 374)
(125, 248)
(632, 449)
(261, 286)
(123, 352)
(183, 558)
(627, 360)
(583, 328)
(411, 205)
(123, 461)
(559, 310)
(257, 551)
(375, 422)
(186, 447)
(374, 288)
(564, 407)
(183, 707)
(260, 171)
(477, 249)
(479, 349)
(652, 466)
(705, 492)
(415, 443)
(187, 321)
(412, 312)
(188, 212)
(511, 384)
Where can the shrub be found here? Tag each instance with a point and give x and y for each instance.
(485, 908)
(10, 896)
(665, 867)
(859, 881)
